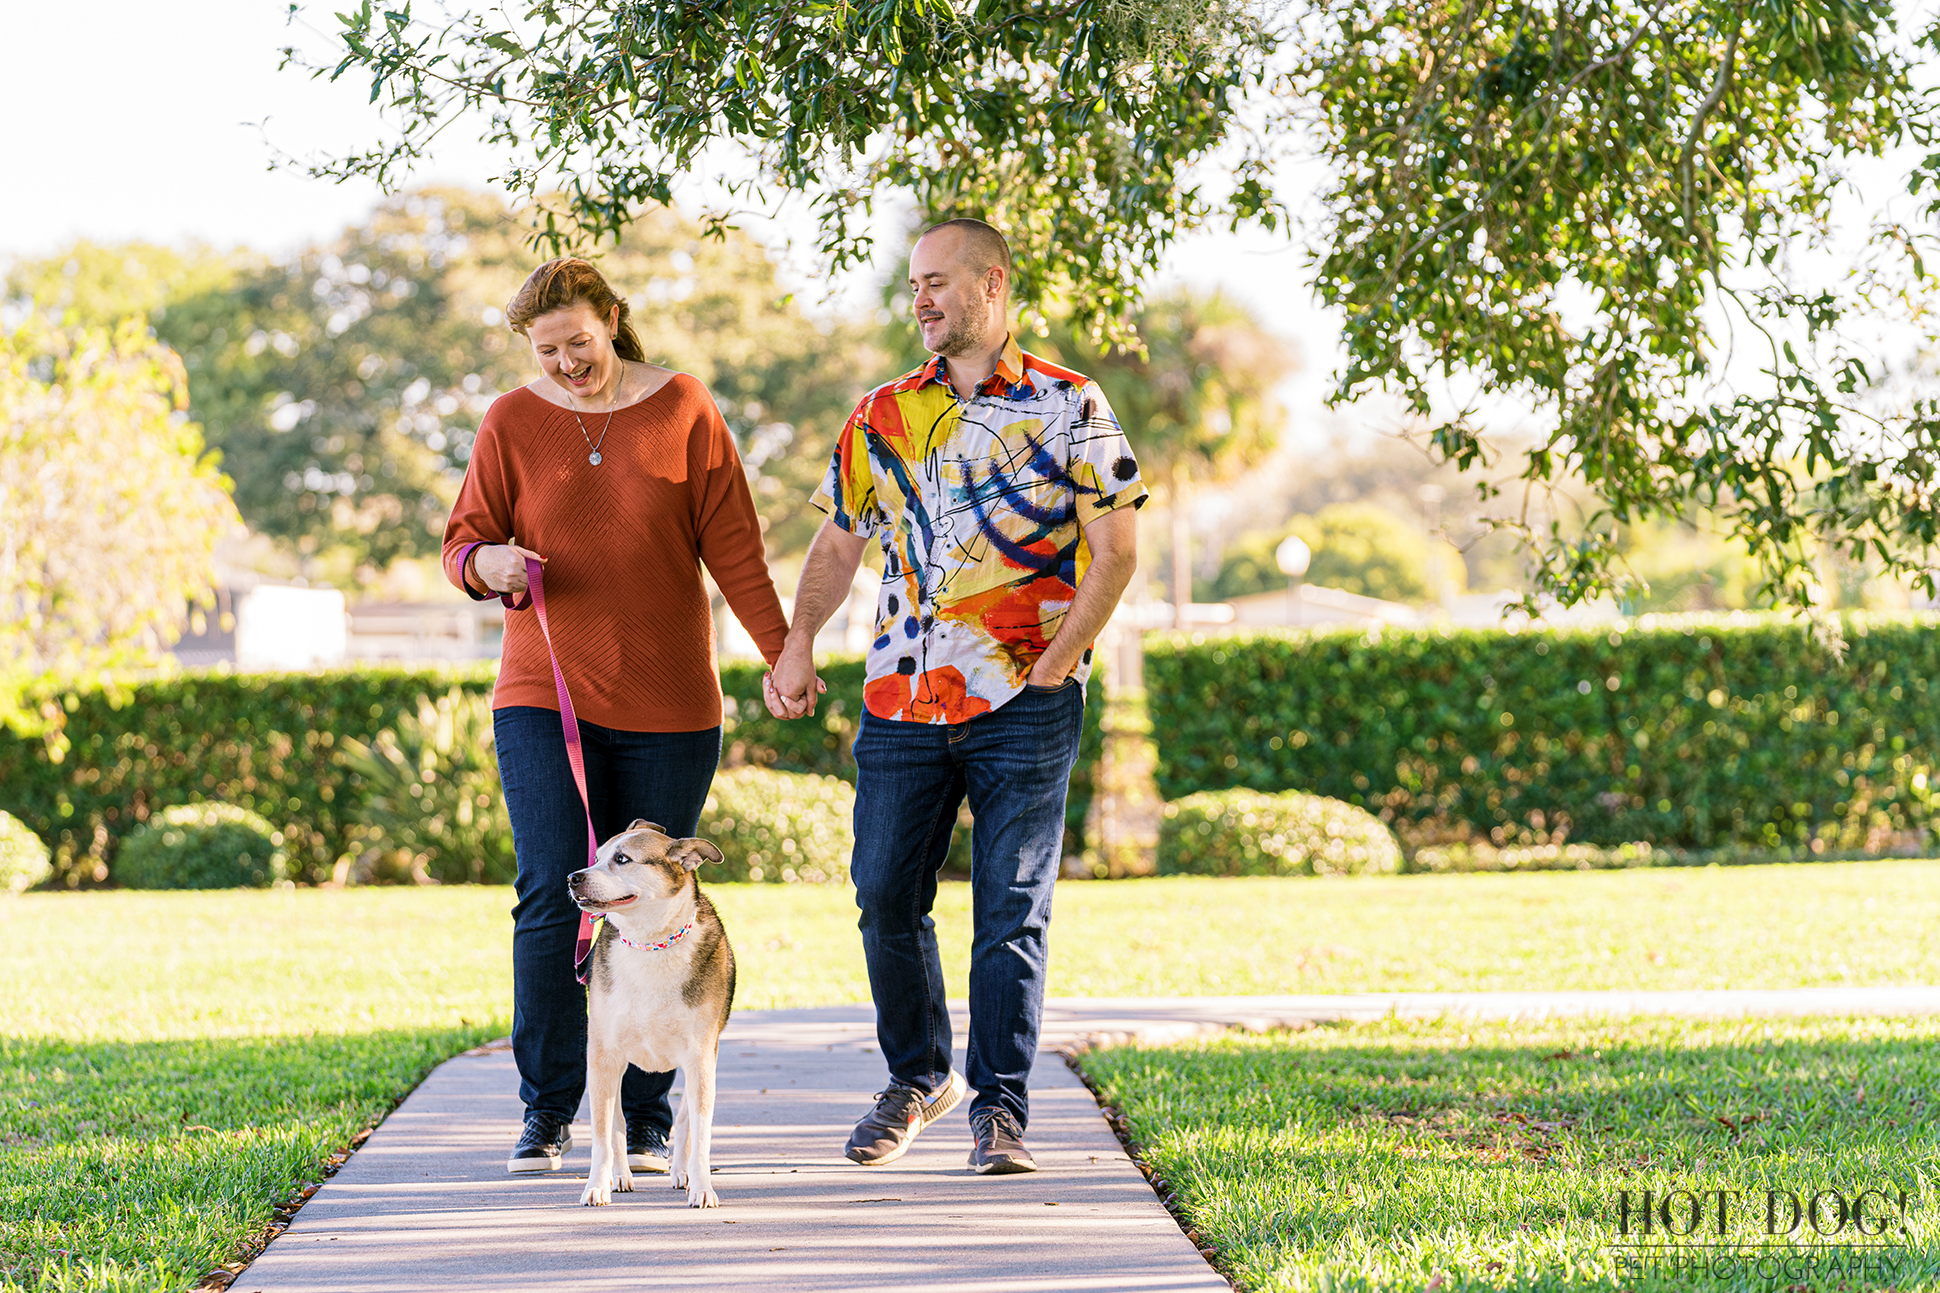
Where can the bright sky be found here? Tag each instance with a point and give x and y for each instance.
(165, 133)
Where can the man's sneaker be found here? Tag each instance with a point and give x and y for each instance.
(901, 1111)
(646, 1147)
(545, 1142)
(1000, 1144)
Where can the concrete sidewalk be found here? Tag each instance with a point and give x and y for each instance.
(427, 1204)
(1117, 1020)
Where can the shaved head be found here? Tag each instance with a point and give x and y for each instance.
(959, 283)
(979, 246)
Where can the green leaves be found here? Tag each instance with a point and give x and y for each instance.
(264, 742)
(1242, 832)
(329, 758)
(1071, 126)
(1576, 208)
(113, 507)
(779, 827)
(23, 856)
(429, 785)
(202, 846)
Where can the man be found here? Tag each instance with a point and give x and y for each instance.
(1004, 496)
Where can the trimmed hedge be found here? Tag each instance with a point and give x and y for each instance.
(202, 846)
(1244, 832)
(1692, 732)
(262, 741)
(780, 827)
(111, 754)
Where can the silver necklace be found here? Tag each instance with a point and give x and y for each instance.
(594, 456)
(590, 443)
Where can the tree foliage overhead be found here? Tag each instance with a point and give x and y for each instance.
(1606, 210)
(1073, 124)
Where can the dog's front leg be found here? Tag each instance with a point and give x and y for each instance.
(699, 1110)
(680, 1140)
(622, 1170)
(603, 1071)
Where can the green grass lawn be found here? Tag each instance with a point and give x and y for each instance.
(244, 964)
(141, 1165)
(1455, 1156)
(173, 1065)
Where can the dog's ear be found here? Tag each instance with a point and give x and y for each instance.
(691, 853)
(642, 824)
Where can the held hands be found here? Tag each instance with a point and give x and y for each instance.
(790, 688)
(501, 566)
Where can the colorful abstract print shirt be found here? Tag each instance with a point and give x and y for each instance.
(978, 504)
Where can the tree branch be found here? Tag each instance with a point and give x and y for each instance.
(1711, 100)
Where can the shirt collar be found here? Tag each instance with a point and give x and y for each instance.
(1010, 381)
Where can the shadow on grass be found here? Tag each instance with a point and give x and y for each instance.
(144, 1165)
(1461, 1155)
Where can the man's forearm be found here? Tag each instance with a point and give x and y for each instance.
(1104, 582)
(828, 572)
(1113, 539)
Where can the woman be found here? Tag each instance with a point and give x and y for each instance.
(623, 479)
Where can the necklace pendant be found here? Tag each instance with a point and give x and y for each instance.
(594, 457)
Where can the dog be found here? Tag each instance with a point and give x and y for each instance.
(660, 987)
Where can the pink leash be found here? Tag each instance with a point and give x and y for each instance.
(535, 597)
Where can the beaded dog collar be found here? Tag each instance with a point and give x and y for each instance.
(661, 946)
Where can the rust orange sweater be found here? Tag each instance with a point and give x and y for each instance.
(624, 543)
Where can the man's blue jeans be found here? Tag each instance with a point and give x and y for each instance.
(661, 776)
(1014, 763)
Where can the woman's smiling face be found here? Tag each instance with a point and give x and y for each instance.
(574, 347)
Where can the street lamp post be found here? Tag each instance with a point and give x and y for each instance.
(1293, 557)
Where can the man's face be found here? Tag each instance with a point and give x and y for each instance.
(957, 308)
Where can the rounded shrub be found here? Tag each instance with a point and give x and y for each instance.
(24, 859)
(201, 846)
(1245, 832)
(428, 786)
(780, 827)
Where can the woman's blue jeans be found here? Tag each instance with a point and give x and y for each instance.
(1014, 764)
(661, 776)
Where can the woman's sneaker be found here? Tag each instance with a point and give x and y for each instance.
(901, 1111)
(646, 1146)
(1000, 1144)
(546, 1140)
